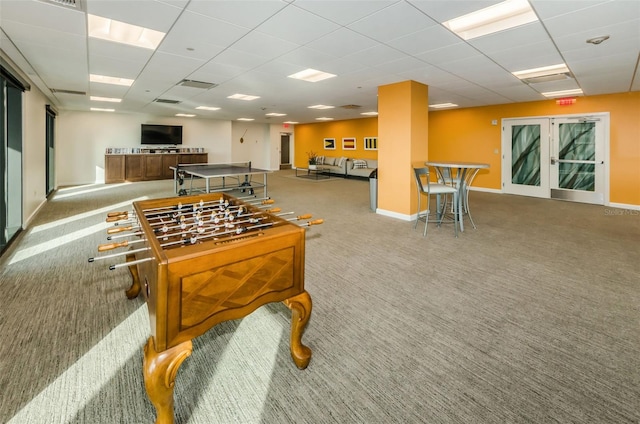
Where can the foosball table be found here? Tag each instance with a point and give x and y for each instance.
(201, 260)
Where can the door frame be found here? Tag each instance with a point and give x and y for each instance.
(603, 117)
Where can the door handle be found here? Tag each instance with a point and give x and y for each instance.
(553, 160)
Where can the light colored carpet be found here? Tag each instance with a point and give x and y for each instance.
(531, 318)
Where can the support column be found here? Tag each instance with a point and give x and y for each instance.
(403, 140)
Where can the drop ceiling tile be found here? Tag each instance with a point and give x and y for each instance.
(41, 16)
(246, 13)
(592, 18)
(392, 22)
(443, 10)
(343, 12)
(615, 82)
(120, 51)
(448, 54)
(520, 37)
(156, 15)
(341, 43)
(623, 36)
(264, 45)
(431, 38)
(297, 26)
(193, 26)
(239, 59)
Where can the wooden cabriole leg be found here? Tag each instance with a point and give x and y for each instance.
(160, 369)
(133, 291)
(300, 306)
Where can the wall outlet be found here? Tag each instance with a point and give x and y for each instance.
(494, 122)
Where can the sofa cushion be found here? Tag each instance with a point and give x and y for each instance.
(359, 163)
(328, 160)
(341, 161)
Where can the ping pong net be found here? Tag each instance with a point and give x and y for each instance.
(215, 168)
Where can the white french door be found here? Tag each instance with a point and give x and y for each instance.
(526, 159)
(559, 157)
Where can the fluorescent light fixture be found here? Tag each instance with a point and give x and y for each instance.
(120, 32)
(542, 71)
(290, 122)
(208, 108)
(243, 97)
(311, 75)
(105, 99)
(99, 109)
(320, 107)
(369, 113)
(245, 119)
(563, 93)
(443, 105)
(276, 114)
(186, 115)
(499, 17)
(324, 119)
(110, 80)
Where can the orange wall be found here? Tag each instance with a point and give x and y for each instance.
(467, 134)
(311, 137)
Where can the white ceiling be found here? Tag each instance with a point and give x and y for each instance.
(250, 47)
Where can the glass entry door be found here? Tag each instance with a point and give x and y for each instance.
(577, 160)
(525, 165)
(560, 157)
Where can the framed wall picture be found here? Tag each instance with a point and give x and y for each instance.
(371, 143)
(329, 143)
(349, 143)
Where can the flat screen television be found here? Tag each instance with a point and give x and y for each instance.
(168, 135)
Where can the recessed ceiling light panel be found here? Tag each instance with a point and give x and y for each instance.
(542, 71)
(499, 17)
(110, 80)
(121, 32)
(320, 107)
(563, 93)
(105, 99)
(246, 97)
(443, 105)
(311, 75)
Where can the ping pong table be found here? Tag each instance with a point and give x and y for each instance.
(216, 176)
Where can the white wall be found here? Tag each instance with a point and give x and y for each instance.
(84, 136)
(34, 147)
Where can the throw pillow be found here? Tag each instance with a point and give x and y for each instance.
(359, 163)
(320, 160)
(341, 161)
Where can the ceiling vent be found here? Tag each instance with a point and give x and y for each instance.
(350, 106)
(197, 84)
(61, 91)
(173, 102)
(547, 78)
(71, 4)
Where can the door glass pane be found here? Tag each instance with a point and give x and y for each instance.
(577, 176)
(525, 155)
(577, 141)
(14, 161)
